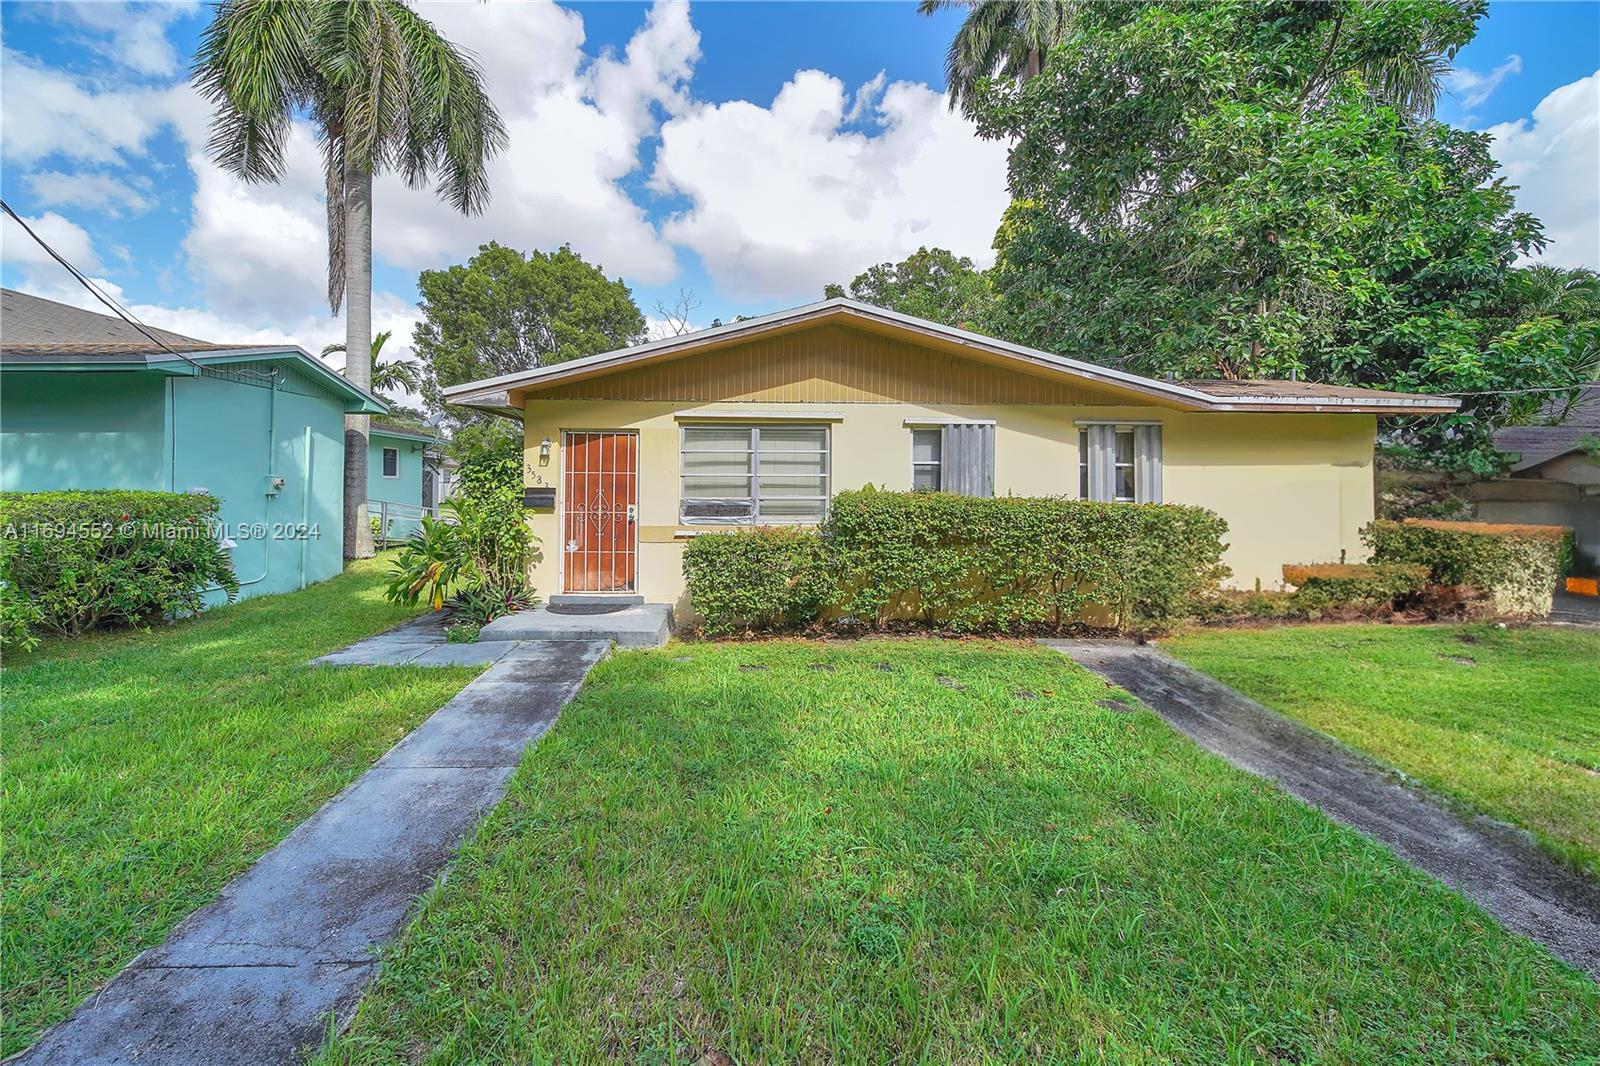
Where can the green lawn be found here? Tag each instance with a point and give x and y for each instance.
(785, 852)
(1506, 721)
(142, 771)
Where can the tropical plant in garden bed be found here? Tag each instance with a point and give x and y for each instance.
(479, 561)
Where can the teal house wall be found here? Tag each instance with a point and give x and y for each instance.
(265, 435)
(403, 492)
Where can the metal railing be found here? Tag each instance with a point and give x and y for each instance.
(393, 523)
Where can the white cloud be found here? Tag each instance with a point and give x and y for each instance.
(784, 200)
(46, 112)
(133, 36)
(865, 101)
(95, 191)
(1555, 158)
(66, 237)
(1474, 86)
(575, 131)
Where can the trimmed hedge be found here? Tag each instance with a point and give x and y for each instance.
(1327, 586)
(760, 579)
(961, 563)
(1517, 567)
(89, 559)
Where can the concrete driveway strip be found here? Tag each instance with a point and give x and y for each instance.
(254, 976)
(1494, 865)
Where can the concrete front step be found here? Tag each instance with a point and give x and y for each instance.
(645, 625)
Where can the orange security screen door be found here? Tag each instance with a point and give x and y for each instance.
(600, 508)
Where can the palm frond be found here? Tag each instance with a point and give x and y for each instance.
(254, 68)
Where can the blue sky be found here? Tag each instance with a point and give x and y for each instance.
(749, 152)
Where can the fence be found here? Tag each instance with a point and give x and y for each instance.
(394, 522)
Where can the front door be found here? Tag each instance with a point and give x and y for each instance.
(600, 511)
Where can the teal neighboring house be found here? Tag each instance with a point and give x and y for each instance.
(89, 402)
(397, 466)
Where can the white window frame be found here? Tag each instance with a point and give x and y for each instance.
(383, 462)
(753, 454)
(937, 464)
(1132, 465)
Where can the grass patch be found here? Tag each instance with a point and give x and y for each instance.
(931, 851)
(1504, 721)
(142, 771)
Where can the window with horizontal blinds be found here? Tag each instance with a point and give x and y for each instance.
(753, 475)
(1119, 463)
(927, 451)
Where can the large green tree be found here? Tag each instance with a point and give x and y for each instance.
(385, 91)
(930, 283)
(1250, 189)
(503, 311)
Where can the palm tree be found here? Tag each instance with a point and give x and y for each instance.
(1007, 38)
(384, 90)
(403, 375)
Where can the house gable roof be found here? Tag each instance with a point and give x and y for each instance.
(43, 335)
(381, 428)
(505, 394)
(1536, 445)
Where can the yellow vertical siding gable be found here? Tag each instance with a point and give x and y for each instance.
(829, 364)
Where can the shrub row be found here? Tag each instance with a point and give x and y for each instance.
(1516, 567)
(75, 561)
(961, 563)
(1365, 586)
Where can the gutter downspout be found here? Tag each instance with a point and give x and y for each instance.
(305, 507)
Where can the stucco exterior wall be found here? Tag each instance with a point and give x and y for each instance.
(224, 432)
(1293, 487)
(403, 490)
(83, 431)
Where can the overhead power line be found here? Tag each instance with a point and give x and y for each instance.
(94, 290)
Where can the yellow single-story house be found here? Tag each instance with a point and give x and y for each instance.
(630, 453)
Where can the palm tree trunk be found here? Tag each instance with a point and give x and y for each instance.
(357, 349)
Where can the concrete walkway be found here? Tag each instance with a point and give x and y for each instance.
(255, 976)
(1494, 865)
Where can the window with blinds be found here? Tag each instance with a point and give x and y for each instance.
(1119, 463)
(753, 475)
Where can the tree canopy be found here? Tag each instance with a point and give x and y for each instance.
(504, 311)
(1252, 189)
(930, 283)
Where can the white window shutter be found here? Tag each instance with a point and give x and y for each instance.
(1147, 464)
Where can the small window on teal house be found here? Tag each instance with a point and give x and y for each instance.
(391, 462)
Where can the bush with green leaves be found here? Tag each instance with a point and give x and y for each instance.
(757, 579)
(81, 560)
(970, 563)
(1362, 586)
(1516, 566)
(962, 563)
